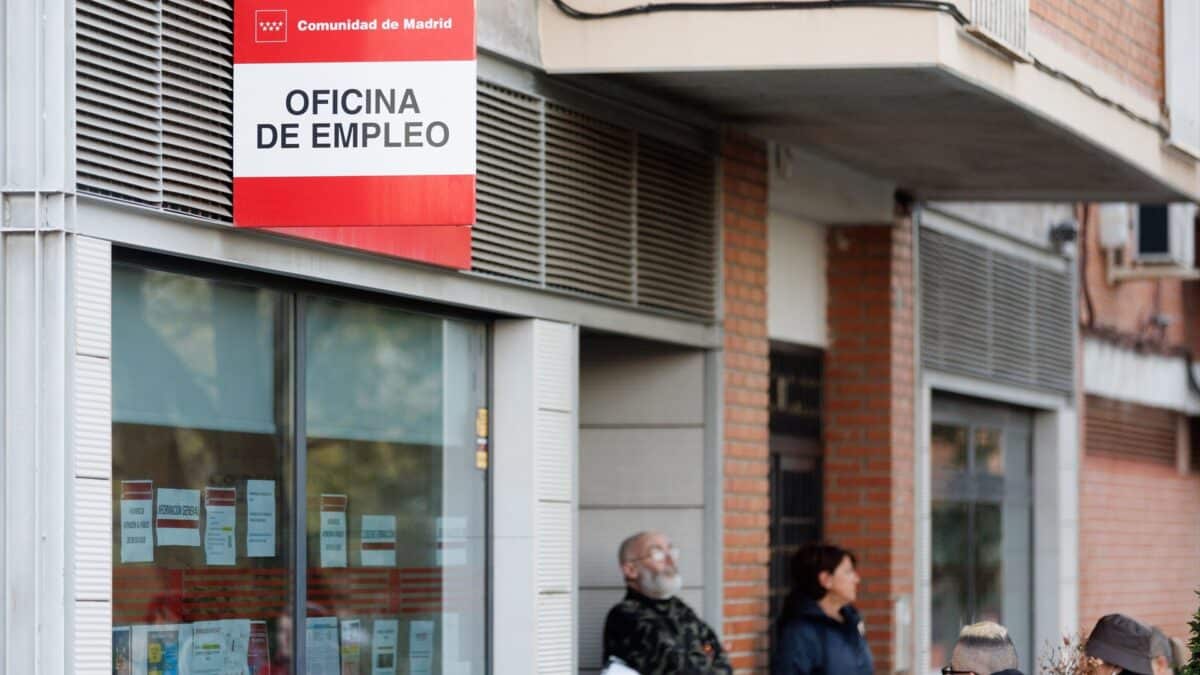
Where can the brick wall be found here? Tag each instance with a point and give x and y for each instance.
(1139, 542)
(747, 508)
(869, 416)
(1126, 308)
(1123, 37)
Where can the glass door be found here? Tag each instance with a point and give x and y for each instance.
(982, 522)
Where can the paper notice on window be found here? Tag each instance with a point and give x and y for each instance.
(258, 658)
(260, 518)
(220, 507)
(137, 521)
(178, 517)
(420, 647)
(354, 647)
(160, 649)
(383, 646)
(333, 530)
(378, 541)
(452, 541)
(208, 649)
(122, 654)
(321, 639)
(236, 633)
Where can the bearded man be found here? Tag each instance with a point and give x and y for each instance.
(652, 630)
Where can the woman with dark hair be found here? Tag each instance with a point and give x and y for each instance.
(819, 632)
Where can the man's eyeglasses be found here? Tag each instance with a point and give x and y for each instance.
(949, 670)
(659, 555)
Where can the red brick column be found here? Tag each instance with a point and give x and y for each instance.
(747, 509)
(868, 420)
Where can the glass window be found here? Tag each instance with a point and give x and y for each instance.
(202, 452)
(981, 522)
(392, 434)
(396, 539)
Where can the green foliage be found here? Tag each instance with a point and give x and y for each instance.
(1193, 647)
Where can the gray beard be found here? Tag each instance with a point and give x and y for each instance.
(659, 586)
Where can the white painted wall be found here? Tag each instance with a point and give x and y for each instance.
(796, 286)
(642, 467)
(1147, 379)
(820, 190)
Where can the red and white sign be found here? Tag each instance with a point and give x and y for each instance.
(356, 115)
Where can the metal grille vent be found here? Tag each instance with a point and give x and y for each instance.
(507, 238)
(154, 89)
(676, 259)
(118, 113)
(568, 201)
(1130, 431)
(995, 315)
(589, 205)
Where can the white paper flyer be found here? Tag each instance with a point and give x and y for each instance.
(383, 646)
(420, 647)
(137, 521)
(333, 530)
(236, 633)
(321, 638)
(260, 518)
(354, 644)
(208, 649)
(178, 517)
(378, 541)
(451, 541)
(220, 506)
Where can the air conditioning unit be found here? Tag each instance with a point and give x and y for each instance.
(1164, 234)
(1149, 241)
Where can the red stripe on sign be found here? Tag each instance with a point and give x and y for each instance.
(378, 546)
(364, 201)
(437, 245)
(179, 524)
(319, 31)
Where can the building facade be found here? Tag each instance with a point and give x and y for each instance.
(751, 278)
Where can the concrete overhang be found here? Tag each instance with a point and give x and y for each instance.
(905, 95)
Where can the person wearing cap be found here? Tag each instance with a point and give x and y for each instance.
(1123, 644)
(983, 648)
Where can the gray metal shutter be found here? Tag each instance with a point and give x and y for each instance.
(154, 94)
(995, 315)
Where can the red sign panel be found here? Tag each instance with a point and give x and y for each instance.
(357, 115)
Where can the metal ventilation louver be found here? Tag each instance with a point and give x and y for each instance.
(568, 201)
(198, 107)
(507, 237)
(676, 248)
(589, 205)
(118, 116)
(154, 85)
(994, 315)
